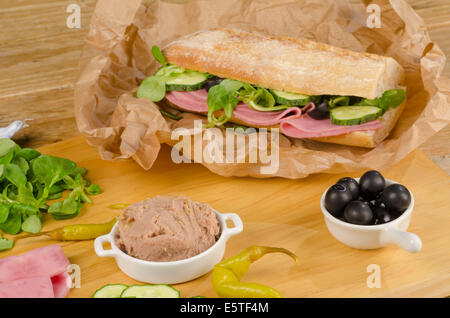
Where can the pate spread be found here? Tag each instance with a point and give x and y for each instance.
(166, 228)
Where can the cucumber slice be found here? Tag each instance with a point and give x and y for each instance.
(187, 81)
(150, 291)
(354, 115)
(291, 99)
(110, 291)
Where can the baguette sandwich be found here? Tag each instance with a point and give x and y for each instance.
(306, 89)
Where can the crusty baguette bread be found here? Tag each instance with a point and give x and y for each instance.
(293, 65)
(366, 139)
(283, 63)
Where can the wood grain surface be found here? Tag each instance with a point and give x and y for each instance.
(39, 56)
(275, 212)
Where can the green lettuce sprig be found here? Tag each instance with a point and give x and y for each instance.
(226, 95)
(390, 99)
(28, 179)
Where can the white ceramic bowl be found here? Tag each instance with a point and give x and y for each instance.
(374, 236)
(171, 272)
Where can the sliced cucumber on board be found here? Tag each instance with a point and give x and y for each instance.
(110, 291)
(187, 81)
(150, 291)
(354, 115)
(292, 99)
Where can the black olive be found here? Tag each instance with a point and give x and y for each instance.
(212, 82)
(381, 216)
(371, 184)
(396, 198)
(320, 112)
(363, 200)
(358, 212)
(372, 205)
(352, 185)
(336, 198)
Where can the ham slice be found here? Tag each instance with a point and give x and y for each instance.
(44, 261)
(191, 101)
(291, 121)
(264, 119)
(42, 271)
(196, 101)
(61, 284)
(307, 127)
(34, 287)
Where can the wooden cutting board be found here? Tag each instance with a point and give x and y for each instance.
(275, 212)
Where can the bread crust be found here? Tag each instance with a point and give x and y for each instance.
(284, 63)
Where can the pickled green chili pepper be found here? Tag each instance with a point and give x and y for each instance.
(170, 115)
(226, 275)
(81, 232)
(78, 232)
(119, 206)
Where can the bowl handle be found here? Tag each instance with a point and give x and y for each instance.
(406, 240)
(98, 246)
(238, 226)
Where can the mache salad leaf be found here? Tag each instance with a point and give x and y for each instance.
(390, 99)
(220, 98)
(5, 244)
(157, 54)
(28, 180)
(154, 87)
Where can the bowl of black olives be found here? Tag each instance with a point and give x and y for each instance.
(370, 212)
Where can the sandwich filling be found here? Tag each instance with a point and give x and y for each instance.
(298, 115)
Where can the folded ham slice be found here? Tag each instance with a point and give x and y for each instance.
(33, 287)
(61, 284)
(41, 272)
(253, 117)
(196, 101)
(307, 127)
(291, 121)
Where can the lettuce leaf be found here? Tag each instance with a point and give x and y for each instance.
(390, 99)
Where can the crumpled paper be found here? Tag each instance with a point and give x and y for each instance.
(117, 57)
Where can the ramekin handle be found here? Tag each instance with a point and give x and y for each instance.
(406, 240)
(98, 246)
(238, 226)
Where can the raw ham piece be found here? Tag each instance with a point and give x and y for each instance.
(264, 119)
(35, 287)
(42, 271)
(44, 261)
(291, 121)
(307, 127)
(196, 101)
(191, 101)
(61, 284)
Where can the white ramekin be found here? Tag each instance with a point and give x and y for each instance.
(171, 272)
(374, 236)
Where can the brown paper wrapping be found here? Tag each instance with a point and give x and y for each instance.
(117, 57)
